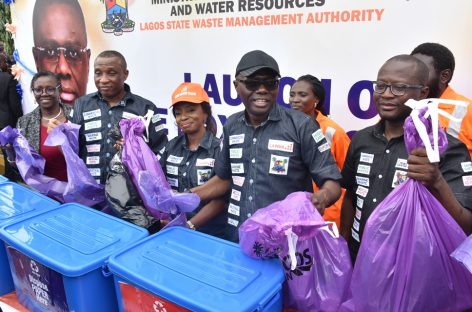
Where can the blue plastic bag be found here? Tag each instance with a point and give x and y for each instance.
(81, 187)
(315, 259)
(403, 263)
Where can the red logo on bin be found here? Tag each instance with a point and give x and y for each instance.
(135, 299)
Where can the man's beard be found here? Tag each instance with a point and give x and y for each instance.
(434, 89)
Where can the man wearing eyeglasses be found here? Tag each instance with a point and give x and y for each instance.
(60, 45)
(377, 160)
(268, 151)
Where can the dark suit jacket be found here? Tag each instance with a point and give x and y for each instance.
(10, 104)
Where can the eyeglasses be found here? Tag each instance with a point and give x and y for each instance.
(48, 90)
(397, 89)
(254, 84)
(73, 55)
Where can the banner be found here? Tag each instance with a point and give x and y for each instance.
(165, 42)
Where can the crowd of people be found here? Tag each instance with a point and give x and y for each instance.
(266, 151)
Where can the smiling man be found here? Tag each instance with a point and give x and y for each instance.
(60, 45)
(377, 160)
(268, 151)
(100, 111)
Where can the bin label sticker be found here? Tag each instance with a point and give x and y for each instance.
(135, 299)
(44, 287)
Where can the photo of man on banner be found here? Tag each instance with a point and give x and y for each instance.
(60, 45)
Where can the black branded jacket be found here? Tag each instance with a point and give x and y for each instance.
(265, 164)
(374, 166)
(97, 118)
(185, 169)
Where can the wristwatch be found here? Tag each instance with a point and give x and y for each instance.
(190, 225)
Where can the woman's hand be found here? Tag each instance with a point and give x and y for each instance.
(53, 123)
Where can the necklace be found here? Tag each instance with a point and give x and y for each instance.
(59, 114)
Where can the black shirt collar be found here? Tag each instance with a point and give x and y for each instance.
(128, 98)
(274, 115)
(204, 143)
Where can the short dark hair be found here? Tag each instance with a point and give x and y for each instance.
(40, 8)
(442, 56)
(44, 73)
(4, 66)
(113, 53)
(318, 90)
(421, 69)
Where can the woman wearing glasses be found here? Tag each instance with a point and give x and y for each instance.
(188, 159)
(50, 112)
(307, 95)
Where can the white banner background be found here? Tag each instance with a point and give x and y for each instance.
(342, 52)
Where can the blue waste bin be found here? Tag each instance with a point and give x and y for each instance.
(58, 258)
(183, 270)
(17, 202)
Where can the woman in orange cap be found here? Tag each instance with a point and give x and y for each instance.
(189, 158)
(307, 95)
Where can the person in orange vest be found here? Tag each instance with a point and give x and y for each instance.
(441, 63)
(307, 95)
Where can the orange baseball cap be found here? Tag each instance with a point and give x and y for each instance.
(189, 92)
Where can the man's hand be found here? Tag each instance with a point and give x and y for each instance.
(118, 144)
(326, 196)
(320, 200)
(421, 169)
(8, 151)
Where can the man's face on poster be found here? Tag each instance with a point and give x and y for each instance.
(61, 47)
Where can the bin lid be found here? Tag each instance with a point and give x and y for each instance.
(18, 201)
(71, 239)
(196, 270)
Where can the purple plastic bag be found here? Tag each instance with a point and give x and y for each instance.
(179, 220)
(403, 263)
(463, 254)
(148, 177)
(413, 139)
(81, 186)
(320, 279)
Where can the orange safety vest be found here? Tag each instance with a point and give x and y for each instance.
(339, 141)
(463, 128)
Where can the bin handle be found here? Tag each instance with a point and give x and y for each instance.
(105, 270)
(268, 298)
